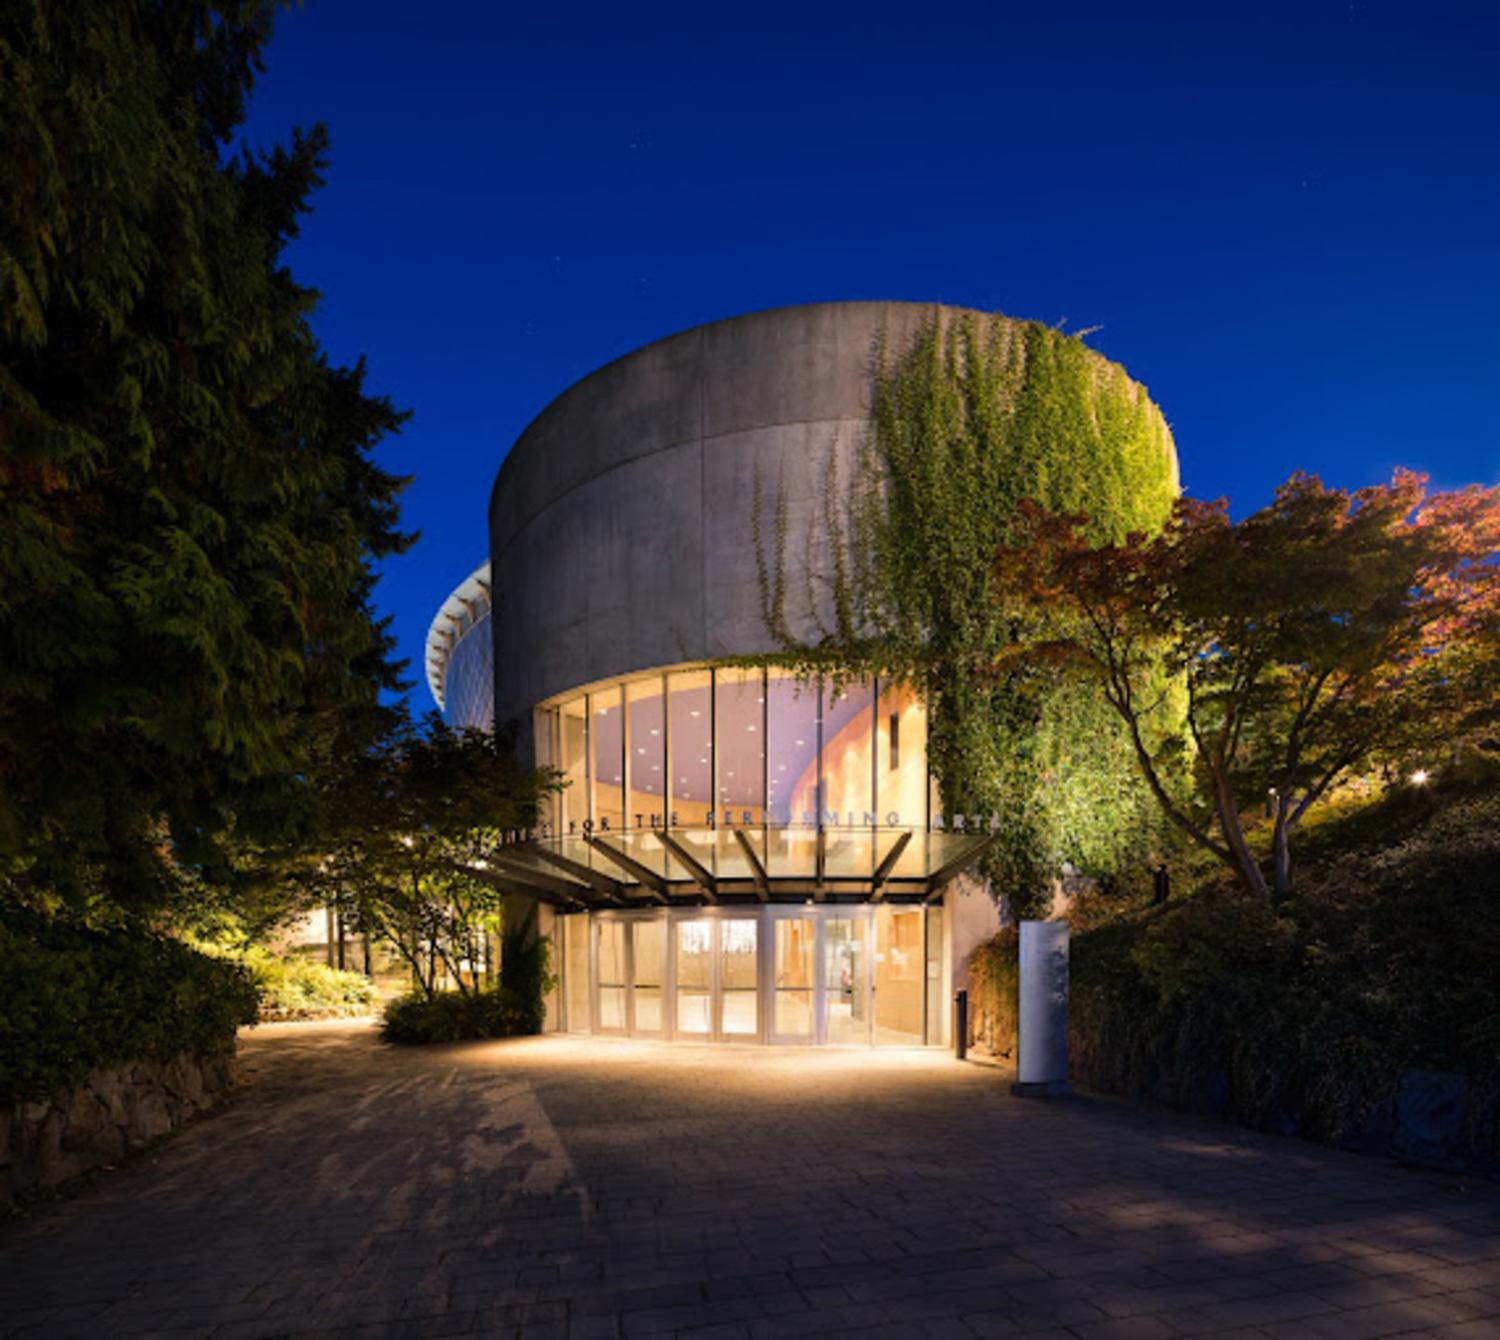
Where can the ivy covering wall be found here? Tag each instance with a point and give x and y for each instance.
(979, 412)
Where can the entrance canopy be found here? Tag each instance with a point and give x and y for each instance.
(697, 866)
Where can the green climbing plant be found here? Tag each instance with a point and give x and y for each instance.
(976, 414)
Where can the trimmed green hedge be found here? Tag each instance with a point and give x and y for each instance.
(451, 1016)
(72, 1000)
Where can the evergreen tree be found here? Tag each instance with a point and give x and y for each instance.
(189, 509)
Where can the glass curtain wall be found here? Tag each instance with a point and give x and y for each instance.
(848, 721)
(607, 757)
(646, 733)
(791, 750)
(690, 742)
(574, 762)
(739, 747)
(901, 757)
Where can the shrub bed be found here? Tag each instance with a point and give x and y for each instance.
(1365, 1011)
(74, 999)
(453, 1016)
(994, 985)
(303, 988)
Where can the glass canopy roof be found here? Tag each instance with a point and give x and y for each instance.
(709, 865)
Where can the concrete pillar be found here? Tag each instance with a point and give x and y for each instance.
(1042, 1063)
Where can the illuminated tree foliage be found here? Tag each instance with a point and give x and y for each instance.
(1321, 634)
(412, 832)
(188, 505)
(979, 413)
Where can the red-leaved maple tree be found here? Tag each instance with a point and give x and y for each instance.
(1307, 641)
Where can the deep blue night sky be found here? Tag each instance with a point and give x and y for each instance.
(1284, 217)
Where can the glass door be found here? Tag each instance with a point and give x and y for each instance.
(898, 976)
(846, 980)
(792, 980)
(648, 946)
(695, 978)
(738, 1014)
(609, 1010)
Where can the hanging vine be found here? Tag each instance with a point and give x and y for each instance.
(976, 414)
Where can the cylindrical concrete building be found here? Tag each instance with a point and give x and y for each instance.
(736, 855)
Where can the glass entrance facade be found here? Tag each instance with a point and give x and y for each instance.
(837, 975)
(694, 747)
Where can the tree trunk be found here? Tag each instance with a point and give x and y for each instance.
(1283, 849)
(1250, 872)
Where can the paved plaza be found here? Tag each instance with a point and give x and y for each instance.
(569, 1187)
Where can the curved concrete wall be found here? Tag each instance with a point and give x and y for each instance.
(621, 532)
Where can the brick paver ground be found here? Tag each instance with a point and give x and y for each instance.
(593, 1188)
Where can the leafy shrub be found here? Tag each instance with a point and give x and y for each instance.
(72, 1000)
(1305, 1016)
(994, 985)
(454, 1016)
(302, 988)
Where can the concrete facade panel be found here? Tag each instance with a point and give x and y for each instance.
(621, 532)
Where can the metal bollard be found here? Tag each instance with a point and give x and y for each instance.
(961, 1025)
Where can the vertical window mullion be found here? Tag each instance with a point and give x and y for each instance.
(667, 788)
(714, 799)
(765, 748)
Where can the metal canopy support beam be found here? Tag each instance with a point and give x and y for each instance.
(606, 885)
(887, 864)
(557, 894)
(695, 867)
(757, 870)
(513, 869)
(644, 874)
(944, 873)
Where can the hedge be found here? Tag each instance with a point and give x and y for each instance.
(1308, 1016)
(73, 1000)
(452, 1016)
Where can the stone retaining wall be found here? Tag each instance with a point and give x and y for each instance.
(114, 1111)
